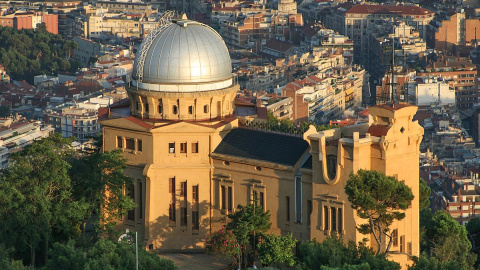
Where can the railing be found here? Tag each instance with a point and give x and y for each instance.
(165, 21)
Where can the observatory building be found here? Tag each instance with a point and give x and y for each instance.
(192, 164)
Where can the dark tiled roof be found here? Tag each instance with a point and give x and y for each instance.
(277, 45)
(378, 130)
(308, 164)
(264, 146)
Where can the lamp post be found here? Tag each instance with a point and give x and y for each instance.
(136, 247)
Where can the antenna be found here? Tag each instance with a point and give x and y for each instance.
(405, 68)
(393, 71)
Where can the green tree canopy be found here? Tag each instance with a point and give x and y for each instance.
(25, 53)
(424, 195)
(99, 179)
(105, 254)
(380, 200)
(35, 197)
(473, 229)
(447, 241)
(242, 231)
(426, 262)
(248, 222)
(49, 192)
(277, 250)
(333, 253)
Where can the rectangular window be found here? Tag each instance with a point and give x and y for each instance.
(230, 197)
(409, 247)
(139, 146)
(171, 148)
(183, 148)
(183, 216)
(223, 194)
(195, 220)
(309, 212)
(172, 213)
(261, 200)
(183, 190)
(131, 194)
(340, 220)
(287, 201)
(195, 147)
(195, 193)
(130, 144)
(119, 142)
(334, 218)
(402, 243)
(171, 185)
(395, 238)
(140, 200)
(325, 218)
(298, 199)
(171, 209)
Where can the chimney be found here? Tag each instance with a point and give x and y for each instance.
(259, 103)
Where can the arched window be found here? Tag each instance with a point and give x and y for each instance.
(175, 109)
(331, 166)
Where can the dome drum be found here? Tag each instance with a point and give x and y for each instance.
(192, 106)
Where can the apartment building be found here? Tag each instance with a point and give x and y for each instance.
(432, 90)
(280, 107)
(16, 133)
(86, 49)
(261, 77)
(461, 75)
(452, 31)
(396, 42)
(321, 99)
(73, 121)
(118, 26)
(30, 20)
(254, 30)
(126, 6)
(446, 32)
(352, 20)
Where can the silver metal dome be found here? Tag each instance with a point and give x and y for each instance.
(184, 52)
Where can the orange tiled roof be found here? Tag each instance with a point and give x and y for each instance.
(138, 122)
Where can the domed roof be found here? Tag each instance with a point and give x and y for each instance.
(185, 52)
